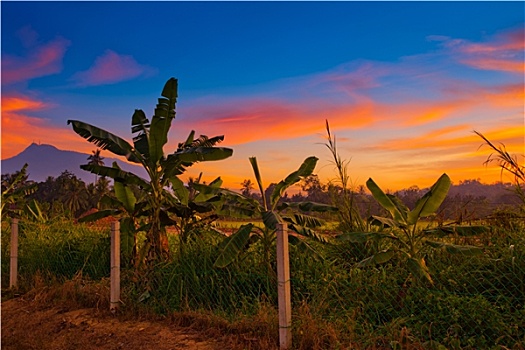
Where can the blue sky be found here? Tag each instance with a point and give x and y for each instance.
(403, 84)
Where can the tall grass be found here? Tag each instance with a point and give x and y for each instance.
(56, 251)
(476, 302)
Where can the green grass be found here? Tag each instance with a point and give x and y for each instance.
(476, 302)
(57, 251)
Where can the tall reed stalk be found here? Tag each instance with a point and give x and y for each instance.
(349, 214)
(508, 163)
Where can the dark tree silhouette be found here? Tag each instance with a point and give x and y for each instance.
(247, 187)
(96, 159)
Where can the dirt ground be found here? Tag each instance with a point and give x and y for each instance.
(27, 324)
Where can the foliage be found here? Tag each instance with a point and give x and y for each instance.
(15, 189)
(272, 212)
(407, 239)
(476, 303)
(149, 139)
(67, 195)
(247, 187)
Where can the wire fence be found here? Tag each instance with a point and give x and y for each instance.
(473, 302)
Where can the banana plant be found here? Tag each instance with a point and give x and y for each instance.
(408, 240)
(131, 213)
(271, 212)
(193, 208)
(15, 191)
(147, 149)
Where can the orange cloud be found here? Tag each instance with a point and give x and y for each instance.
(458, 136)
(503, 52)
(504, 96)
(110, 68)
(19, 130)
(42, 60)
(422, 113)
(254, 120)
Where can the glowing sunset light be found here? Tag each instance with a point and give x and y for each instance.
(12, 103)
(403, 99)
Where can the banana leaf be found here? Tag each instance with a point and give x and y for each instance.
(306, 169)
(233, 246)
(363, 237)
(106, 140)
(140, 125)
(386, 202)
(430, 202)
(466, 250)
(419, 269)
(161, 121)
(378, 258)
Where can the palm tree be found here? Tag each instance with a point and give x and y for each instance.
(247, 187)
(96, 159)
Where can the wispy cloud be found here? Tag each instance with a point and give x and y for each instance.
(250, 120)
(111, 68)
(42, 59)
(501, 52)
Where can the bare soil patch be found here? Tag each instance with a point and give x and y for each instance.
(29, 324)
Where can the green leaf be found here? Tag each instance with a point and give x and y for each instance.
(99, 215)
(203, 196)
(382, 222)
(127, 236)
(466, 250)
(303, 224)
(271, 219)
(386, 202)
(430, 202)
(306, 220)
(182, 193)
(126, 177)
(304, 247)
(140, 125)
(378, 258)
(34, 209)
(189, 140)
(308, 207)
(419, 269)
(308, 232)
(125, 195)
(306, 169)
(202, 154)
(170, 89)
(201, 141)
(255, 167)
(234, 246)
(106, 140)
(468, 230)
(161, 121)
(403, 209)
(363, 237)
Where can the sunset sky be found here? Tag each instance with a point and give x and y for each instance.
(402, 84)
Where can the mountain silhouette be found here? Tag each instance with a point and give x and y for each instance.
(47, 160)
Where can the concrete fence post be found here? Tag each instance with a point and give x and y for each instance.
(13, 267)
(115, 266)
(284, 294)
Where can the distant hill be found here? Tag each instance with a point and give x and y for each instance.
(47, 160)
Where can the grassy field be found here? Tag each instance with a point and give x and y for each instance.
(476, 302)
